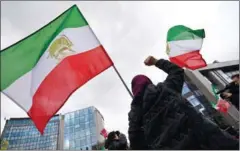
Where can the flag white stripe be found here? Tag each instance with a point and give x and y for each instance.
(181, 47)
(24, 88)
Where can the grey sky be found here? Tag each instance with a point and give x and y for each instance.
(129, 31)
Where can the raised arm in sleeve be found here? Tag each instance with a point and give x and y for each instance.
(175, 76)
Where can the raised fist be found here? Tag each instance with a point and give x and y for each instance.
(150, 61)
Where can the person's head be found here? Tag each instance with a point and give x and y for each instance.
(235, 78)
(139, 82)
(113, 135)
(110, 138)
(116, 141)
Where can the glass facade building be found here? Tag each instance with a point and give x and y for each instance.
(22, 134)
(77, 130)
(80, 132)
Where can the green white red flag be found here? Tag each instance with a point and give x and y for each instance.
(184, 45)
(104, 133)
(40, 72)
(222, 105)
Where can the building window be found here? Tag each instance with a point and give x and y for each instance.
(82, 119)
(82, 141)
(77, 135)
(185, 90)
(72, 145)
(88, 140)
(194, 102)
(93, 140)
(77, 143)
(87, 131)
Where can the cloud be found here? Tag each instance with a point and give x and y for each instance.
(129, 31)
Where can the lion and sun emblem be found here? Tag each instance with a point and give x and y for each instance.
(60, 48)
(168, 49)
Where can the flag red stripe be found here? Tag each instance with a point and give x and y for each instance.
(70, 74)
(104, 133)
(192, 60)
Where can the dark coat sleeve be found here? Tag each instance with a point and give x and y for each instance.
(175, 76)
(216, 139)
(208, 134)
(135, 131)
(235, 100)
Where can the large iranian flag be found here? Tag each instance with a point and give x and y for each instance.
(184, 45)
(40, 72)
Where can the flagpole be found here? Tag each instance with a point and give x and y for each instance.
(114, 67)
(122, 81)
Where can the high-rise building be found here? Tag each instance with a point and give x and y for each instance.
(82, 129)
(22, 134)
(78, 130)
(217, 74)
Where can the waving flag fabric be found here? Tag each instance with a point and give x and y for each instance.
(222, 105)
(104, 133)
(40, 72)
(184, 45)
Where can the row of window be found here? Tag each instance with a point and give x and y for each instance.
(79, 135)
(79, 113)
(28, 121)
(87, 141)
(32, 128)
(193, 100)
(37, 144)
(32, 140)
(230, 74)
(79, 119)
(28, 134)
(79, 127)
(33, 148)
(81, 132)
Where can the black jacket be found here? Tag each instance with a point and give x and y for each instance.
(234, 89)
(160, 118)
(120, 144)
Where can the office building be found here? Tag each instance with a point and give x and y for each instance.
(78, 130)
(22, 134)
(82, 129)
(217, 74)
(193, 97)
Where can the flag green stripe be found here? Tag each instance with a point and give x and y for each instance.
(181, 32)
(21, 57)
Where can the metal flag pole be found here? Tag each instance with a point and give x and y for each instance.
(122, 81)
(114, 67)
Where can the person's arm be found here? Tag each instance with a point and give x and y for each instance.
(135, 131)
(175, 76)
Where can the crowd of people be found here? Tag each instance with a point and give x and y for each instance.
(160, 118)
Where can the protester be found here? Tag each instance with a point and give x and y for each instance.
(160, 118)
(116, 141)
(231, 91)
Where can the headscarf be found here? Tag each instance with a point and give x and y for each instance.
(139, 83)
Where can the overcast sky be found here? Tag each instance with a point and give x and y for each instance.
(129, 31)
